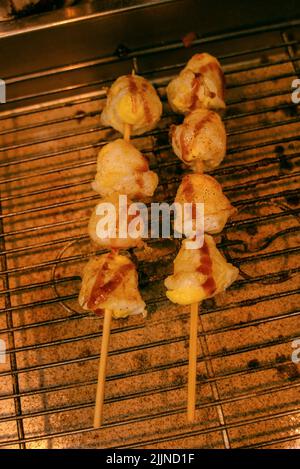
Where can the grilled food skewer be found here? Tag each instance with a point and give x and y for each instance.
(110, 282)
(198, 274)
(98, 413)
(132, 100)
(109, 288)
(200, 142)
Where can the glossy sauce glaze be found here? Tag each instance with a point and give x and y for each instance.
(186, 144)
(187, 189)
(147, 111)
(140, 182)
(197, 82)
(214, 67)
(134, 92)
(189, 194)
(205, 268)
(102, 289)
(143, 166)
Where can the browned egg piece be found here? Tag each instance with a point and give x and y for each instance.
(132, 100)
(204, 189)
(110, 281)
(200, 141)
(199, 274)
(122, 168)
(200, 84)
(117, 240)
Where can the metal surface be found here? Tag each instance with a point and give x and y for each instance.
(248, 387)
(22, 8)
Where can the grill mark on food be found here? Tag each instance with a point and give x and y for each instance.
(213, 67)
(189, 194)
(185, 147)
(205, 119)
(188, 189)
(130, 218)
(205, 268)
(133, 90)
(101, 290)
(210, 66)
(184, 144)
(147, 111)
(99, 312)
(144, 167)
(140, 181)
(197, 81)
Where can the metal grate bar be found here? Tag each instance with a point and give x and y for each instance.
(239, 223)
(204, 358)
(161, 184)
(241, 131)
(161, 48)
(103, 142)
(167, 438)
(80, 87)
(140, 53)
(81, 257)
(13, 359)
(216, 378)
(216, 402)
(273, 441)
(250, 323)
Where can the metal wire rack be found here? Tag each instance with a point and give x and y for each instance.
(248, 386)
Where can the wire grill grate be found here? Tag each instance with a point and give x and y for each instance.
(248, 387)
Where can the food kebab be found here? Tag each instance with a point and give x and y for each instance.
(110, 282)
(200, 142)
(200, 85)
(133, 101)
(199, 274)
(204, 189)
(115, 239)
(122, 169)
(197, 92)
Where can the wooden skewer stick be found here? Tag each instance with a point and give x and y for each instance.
(199, 167)
(192, 374)
(127, 131)
(98, 415)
